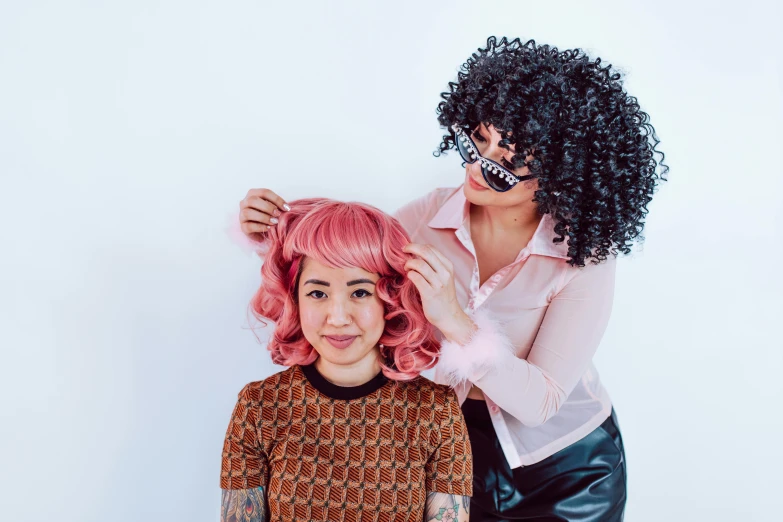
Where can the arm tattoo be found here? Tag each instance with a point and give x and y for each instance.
(242, 505)
(445, 507)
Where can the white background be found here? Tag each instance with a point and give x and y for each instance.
(129, 131)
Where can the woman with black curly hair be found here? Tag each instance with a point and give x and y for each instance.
(516, 269)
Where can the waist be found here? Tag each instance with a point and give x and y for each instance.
(583, 411)
(476, 413)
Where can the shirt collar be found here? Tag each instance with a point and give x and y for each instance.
(455, 211)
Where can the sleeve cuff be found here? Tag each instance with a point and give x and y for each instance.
(487, 348)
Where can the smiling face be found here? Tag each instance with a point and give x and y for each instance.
(341, 316)
(487, 140)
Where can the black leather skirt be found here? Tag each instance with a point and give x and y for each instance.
(584, 482)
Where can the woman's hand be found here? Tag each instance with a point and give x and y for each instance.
(259, 211)
(433, 275)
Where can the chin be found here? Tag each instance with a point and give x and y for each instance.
(489, 198)
(346, 356)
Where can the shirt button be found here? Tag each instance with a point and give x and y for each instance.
(494, 408)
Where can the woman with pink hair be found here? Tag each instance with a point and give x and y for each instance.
(350, 431)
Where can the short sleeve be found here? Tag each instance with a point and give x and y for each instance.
(450, 467)
(244, 464)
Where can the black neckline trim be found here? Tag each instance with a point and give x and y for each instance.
(343, 393)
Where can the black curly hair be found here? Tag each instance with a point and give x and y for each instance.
(594, 149)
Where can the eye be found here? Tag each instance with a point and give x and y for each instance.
(361, 293)
(316, 294)
(478, 137)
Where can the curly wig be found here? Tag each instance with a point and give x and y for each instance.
(594, 150)
(339, 234)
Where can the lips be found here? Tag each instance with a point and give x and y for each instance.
(474, 185)
(340, 341)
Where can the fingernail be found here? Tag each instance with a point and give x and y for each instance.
(273, 221)
(286, 207)
(275, 212)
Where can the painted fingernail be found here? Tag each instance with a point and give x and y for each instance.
(275, 212)
(286, 207)
(273, 221)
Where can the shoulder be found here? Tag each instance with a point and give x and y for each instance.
(439, 396)
(600, 275)
(256, 391)
(429, 203)
(422, 209)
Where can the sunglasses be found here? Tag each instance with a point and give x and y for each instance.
(499, 178)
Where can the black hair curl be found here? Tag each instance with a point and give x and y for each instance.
(594, 149)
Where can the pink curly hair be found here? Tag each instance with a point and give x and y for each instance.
(339, 234)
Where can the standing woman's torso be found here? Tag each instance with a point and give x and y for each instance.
(519, 295)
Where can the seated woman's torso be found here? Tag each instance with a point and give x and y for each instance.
(374, 450)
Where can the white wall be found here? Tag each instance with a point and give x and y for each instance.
(130, 130)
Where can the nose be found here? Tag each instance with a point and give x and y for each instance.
(339, 314)
(474, 169)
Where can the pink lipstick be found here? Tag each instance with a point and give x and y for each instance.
(340, 341)
(474, 185)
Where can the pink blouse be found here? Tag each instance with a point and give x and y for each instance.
(539, 321)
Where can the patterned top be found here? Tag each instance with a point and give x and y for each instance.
(365, 453)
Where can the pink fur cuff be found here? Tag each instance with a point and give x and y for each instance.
(234, 232)
(486, 349)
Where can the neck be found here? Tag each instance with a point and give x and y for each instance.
(517, 219)
(355, 374)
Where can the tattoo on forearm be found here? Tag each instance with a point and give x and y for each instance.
(445, 507)
(242, 505)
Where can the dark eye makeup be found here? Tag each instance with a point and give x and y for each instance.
(360, 293)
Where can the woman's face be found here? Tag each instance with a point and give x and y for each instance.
(476, 191)
(340, 313)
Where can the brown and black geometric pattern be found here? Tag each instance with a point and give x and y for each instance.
(374, 458)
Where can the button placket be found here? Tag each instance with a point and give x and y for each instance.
(489, 286)
(493, 408)
(473, 289)
(463, 237)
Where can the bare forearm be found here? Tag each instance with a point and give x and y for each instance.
(243, 505)
(445, 507)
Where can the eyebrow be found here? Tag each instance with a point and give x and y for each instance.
(349, 283)
(359, 282)
(316, 282)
